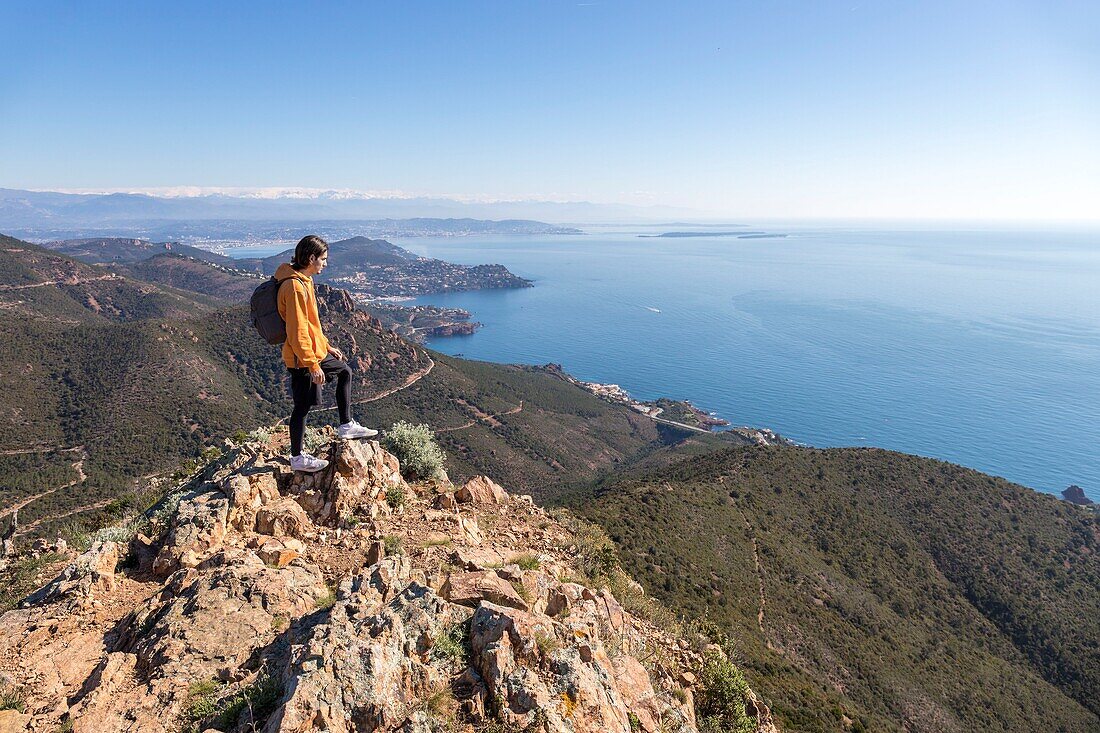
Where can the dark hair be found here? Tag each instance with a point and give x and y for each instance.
(307, 247)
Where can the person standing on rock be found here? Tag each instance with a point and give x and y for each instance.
(309, 357)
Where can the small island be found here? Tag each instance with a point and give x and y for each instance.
(738, 235)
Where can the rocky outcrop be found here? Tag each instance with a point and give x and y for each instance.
(482, 491)
(290, 603)
(359, 476)
(90, 574)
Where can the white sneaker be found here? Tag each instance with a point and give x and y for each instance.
(352, 430)
(307, 463)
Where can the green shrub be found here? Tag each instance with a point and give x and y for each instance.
(260, 697)
(526, 561)
(395, 497)
(720, 701)
(453, 643)
(314, 440)
(202, 702)
(415, 447)
(394, 544)
(12, 699)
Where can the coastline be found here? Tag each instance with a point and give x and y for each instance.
(705, 422)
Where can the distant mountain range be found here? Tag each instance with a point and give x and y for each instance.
(29, 212)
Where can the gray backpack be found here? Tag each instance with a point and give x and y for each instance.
(265, 312)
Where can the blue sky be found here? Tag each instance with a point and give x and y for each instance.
(942, 110)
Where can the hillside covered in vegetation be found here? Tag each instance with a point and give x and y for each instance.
(871, 590)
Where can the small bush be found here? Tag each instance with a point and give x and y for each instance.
(259, 435)
(395, 497)
(394, 544)
(526, 561)
(720, 701)
(259, 697)
(546, 642)
(12, 699)
(314, 440)
(328, 599)
(453, 644)
(415, 447)
(202, 702)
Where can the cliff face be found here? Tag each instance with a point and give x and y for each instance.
(349, 600)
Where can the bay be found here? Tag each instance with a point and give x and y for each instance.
(978, 347)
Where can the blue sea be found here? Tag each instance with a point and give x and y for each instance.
(977, 347)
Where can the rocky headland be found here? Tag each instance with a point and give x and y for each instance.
(355, 599)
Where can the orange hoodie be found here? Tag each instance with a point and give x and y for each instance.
(305, 344)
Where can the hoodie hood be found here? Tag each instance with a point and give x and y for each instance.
(285, 271)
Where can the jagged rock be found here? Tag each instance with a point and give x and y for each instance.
(564, 596)
(480, 490)
(247, 494)
(284, 518)
(205, 620)
(471, 534)
(90, 572)
(143, 552)
(445, 502)
(632, 680)
(373, 661)
(469, 589)
(375, 552)
(197, 531)
(358, 477)
(111, 702)
(475, 558)
(276, 554)
(510, 649)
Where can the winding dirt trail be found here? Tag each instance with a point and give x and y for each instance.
(72, 512)
(413, 379)
(75, 281)
(759, 570)
(78, 466)
(759, 576)
(483, 417)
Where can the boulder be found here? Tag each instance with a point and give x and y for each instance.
(481, 490)
(276, 554)
(535, 678)
(467, 527)
(470, 589)
(205, 622)
(445, 502)
(247, 493)
(284, 518)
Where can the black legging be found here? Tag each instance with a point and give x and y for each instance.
(306, 394)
